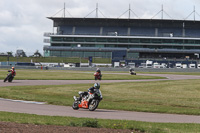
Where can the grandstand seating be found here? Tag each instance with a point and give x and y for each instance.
(134, 31)
(87, 30)
(119, 31)
(165, 32)
(138, 31)
(192, 33)
(65, 30)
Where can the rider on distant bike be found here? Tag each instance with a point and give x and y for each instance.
(13, 72)
(11, 75)
(99, 71)
(131, 70)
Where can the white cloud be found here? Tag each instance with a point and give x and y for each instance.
(23, 22)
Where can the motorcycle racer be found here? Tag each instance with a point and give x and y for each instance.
(97, 74)
(94, 89)
(98, 70)
(88, 100)
(11, 75)
(132, 72)
(13, 72)
(91, 90)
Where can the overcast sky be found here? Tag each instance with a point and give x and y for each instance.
(23, 22)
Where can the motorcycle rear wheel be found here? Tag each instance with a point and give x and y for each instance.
(75, 105)
(93, 105)
(10, 79)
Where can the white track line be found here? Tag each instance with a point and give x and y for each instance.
(22, 101)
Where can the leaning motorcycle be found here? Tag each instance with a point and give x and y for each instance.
(97, 76)
(132, 73)
(9, 77)
(87, 100)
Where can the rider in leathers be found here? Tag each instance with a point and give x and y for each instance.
(131, 70)
(99, 71)
(95, 89)
(13, 72)
(91, 90)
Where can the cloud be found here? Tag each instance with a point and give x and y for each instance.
(23, 22)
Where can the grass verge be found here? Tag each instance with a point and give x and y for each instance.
(147, 127)
(179, 97)
(70, 75)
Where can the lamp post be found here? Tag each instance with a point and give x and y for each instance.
(8, 59)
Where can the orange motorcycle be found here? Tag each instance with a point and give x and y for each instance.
(87, 100)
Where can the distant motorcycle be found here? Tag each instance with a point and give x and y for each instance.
(97, 76)
(83, 102)
(9, 77)
(133, 73)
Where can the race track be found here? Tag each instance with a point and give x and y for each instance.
(63, 82)
(53, 110)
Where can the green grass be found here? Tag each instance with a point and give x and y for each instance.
(147, 127)
(69, 75)
(178, 97)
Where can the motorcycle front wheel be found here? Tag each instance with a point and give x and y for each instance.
(93, 105)
(75, 105)
(95, 78)
(5, 79)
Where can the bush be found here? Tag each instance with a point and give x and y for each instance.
(73, 124)
(90, 123)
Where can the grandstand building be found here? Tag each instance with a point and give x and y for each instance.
(126, 39)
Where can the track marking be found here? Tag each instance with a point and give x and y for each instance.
(22, 101)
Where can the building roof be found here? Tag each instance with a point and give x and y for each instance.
(59, 21)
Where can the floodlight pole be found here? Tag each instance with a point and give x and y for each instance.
(162, 12)
(97, 10)
(194, 13)
(64, 10)
(129, 16)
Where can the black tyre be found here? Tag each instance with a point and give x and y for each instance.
(10, 79)
(75, 105)
(5, 79)
(93, 105)
(95, 78)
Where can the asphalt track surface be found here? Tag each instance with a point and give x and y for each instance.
(54, 110)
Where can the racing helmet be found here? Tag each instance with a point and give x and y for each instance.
(96, 85)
